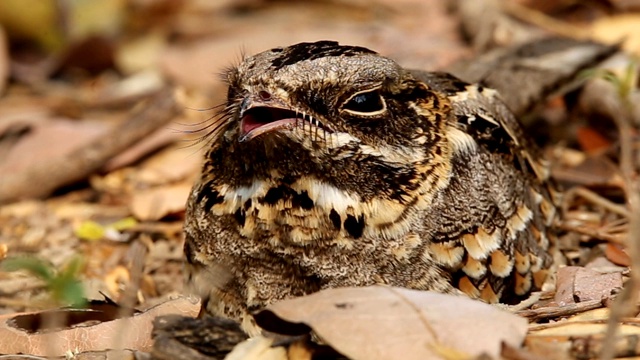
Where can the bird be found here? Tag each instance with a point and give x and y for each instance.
(332, 166)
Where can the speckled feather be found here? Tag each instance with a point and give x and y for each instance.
(374, 175)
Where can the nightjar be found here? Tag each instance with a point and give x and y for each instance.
(333, 166)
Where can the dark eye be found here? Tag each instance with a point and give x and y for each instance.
(365, 103)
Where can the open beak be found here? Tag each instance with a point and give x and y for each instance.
(257, 118)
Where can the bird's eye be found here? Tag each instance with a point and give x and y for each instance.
(365, 103)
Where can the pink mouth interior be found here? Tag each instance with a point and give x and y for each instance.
(265, 118)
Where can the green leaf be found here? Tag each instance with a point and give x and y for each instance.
(65, 288)
(69, 292)
(33, 265)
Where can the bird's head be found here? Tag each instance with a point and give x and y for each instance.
(328, 111)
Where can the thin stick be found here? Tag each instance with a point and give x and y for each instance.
(543, 21)
(594, 198)
(558, 311)
(628, 298)
(594, 233)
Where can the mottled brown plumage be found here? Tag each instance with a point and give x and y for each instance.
(333, 166)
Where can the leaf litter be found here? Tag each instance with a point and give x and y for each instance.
(149, 179)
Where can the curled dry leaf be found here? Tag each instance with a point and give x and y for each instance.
(124, 333)
(382, 322)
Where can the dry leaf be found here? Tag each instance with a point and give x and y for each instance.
(617, 254)
(613, 29)
(593, 171)
(258, 348)
(576, 284)
(125, 333)
(170, 165)
(382, 322)
(49, 140)
(4, 249)
(156, 203)
(591, 141)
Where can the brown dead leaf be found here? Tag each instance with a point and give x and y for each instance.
(48, 140)
(593, 171)
(170, 165)
(578, 284)
(124, 333)
(258, 348)
(613, 29)
(149, 144)
(617, 254)
(156, 203)
(382, 322)
(591, 141)
(116, 280)
(394, 28)
(4, 249)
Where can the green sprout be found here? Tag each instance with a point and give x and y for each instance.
(64, 285)
(624, 83)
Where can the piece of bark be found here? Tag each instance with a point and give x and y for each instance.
(184, 338)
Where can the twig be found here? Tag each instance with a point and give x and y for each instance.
(594, 198)
(138, 254)
(543, 21)
(628, 298)
(42, 179)
(594, 233)
(558, 311)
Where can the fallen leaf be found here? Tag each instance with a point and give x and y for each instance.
(170, 165)
(593, 171)
(577, 284)
(591, 141)
(124, 224)
(116, 280)
(258, 348)
(564, 285)
(613, 29)
(50, 139)
(593, 285)
(125, 333)
(90, 230)
(617, 254)
(156, 203)
(382, 322)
